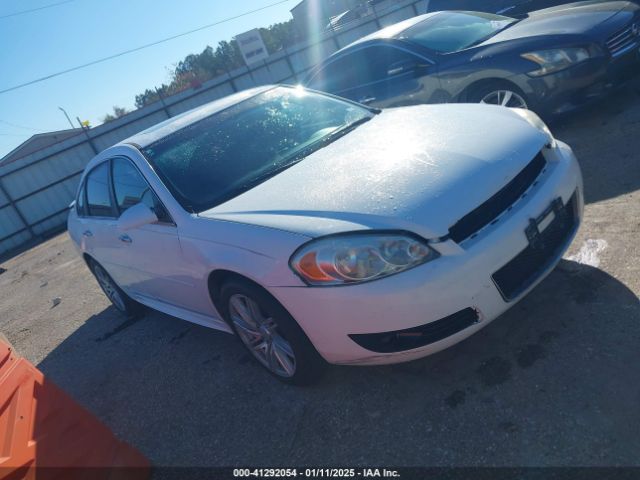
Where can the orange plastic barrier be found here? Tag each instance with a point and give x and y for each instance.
(45, 434)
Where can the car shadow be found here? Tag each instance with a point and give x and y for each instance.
(604, 137)
(551, 382)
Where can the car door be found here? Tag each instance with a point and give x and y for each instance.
(398, 77)
(380, 76)
(97, 218)
(149, 259)
(346, 76)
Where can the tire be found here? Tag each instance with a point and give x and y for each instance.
(499, 93)
(120, 300)
(280, 345)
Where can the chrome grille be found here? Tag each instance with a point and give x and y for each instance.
(624, 40)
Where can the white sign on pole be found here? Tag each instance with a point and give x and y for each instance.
(252, 46)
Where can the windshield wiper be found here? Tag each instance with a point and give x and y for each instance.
(321, 143)
(289, 162)
(332, 137)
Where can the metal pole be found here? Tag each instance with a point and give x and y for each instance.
(164, 105)
(85, 130)
(66, 115)
(290, 65)
(24, 221)
(376, 19)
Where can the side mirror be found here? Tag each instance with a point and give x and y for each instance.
(135, 217)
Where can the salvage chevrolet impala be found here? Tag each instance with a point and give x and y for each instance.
(319, 230)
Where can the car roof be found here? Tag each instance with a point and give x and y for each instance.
(161, 130)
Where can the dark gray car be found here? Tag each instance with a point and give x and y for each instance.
(552, 61)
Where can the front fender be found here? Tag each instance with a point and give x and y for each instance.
(258, 253)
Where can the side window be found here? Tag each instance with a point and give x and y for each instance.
(131, 188)
(98, 198)
(80, 204)
(368, 65)
(342, 74)
(387, 62)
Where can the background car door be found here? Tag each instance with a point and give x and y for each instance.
(380, 76)
(149, 258)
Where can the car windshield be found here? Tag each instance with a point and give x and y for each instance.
(232, 151)
(449, 32)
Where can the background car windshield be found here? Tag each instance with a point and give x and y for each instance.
(226, 154)
(449, 32)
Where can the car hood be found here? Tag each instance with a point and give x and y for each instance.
(570, 19)
(416, 168)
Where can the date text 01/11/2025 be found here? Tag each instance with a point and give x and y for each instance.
(315, 473)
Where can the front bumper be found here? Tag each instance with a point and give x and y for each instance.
(580, 85)
(460, 279)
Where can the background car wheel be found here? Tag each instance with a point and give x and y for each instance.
(123, 303)
(498, 93)
(270, 333)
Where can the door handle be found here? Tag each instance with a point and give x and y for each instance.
(125, 238)
(367, 100)
(87, 233)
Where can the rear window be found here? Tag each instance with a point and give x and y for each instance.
(449, 32)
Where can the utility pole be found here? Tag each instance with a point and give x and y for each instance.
(66, 115)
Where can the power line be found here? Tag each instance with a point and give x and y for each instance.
(20, 126)
(22, 12)
(137, 49)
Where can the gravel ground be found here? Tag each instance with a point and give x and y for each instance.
(552, 382)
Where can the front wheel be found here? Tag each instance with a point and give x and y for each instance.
(270, 333)
(502, 94)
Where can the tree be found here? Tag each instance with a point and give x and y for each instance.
(279, 36)
(197, 68)
(146, 98)
(117, 113)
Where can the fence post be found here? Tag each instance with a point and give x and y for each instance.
(231, 82)
(164, 105)
(18, 212)
(376, 19)
(266, 65)
(253, 79)
(89, 139)
(290, 65)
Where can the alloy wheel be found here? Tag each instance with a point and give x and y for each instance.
(109, 288)
(259, 332)
(506, 98)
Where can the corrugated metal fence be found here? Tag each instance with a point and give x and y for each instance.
(35, 190)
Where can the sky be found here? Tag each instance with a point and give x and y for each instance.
(75, 32)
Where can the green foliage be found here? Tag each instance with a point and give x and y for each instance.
(279, 36)
(117, 113)
(197, 68)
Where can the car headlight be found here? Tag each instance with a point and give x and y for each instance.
(555, 60)
(359, 257)
(535, 121)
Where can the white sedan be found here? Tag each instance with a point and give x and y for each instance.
(319, 230)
